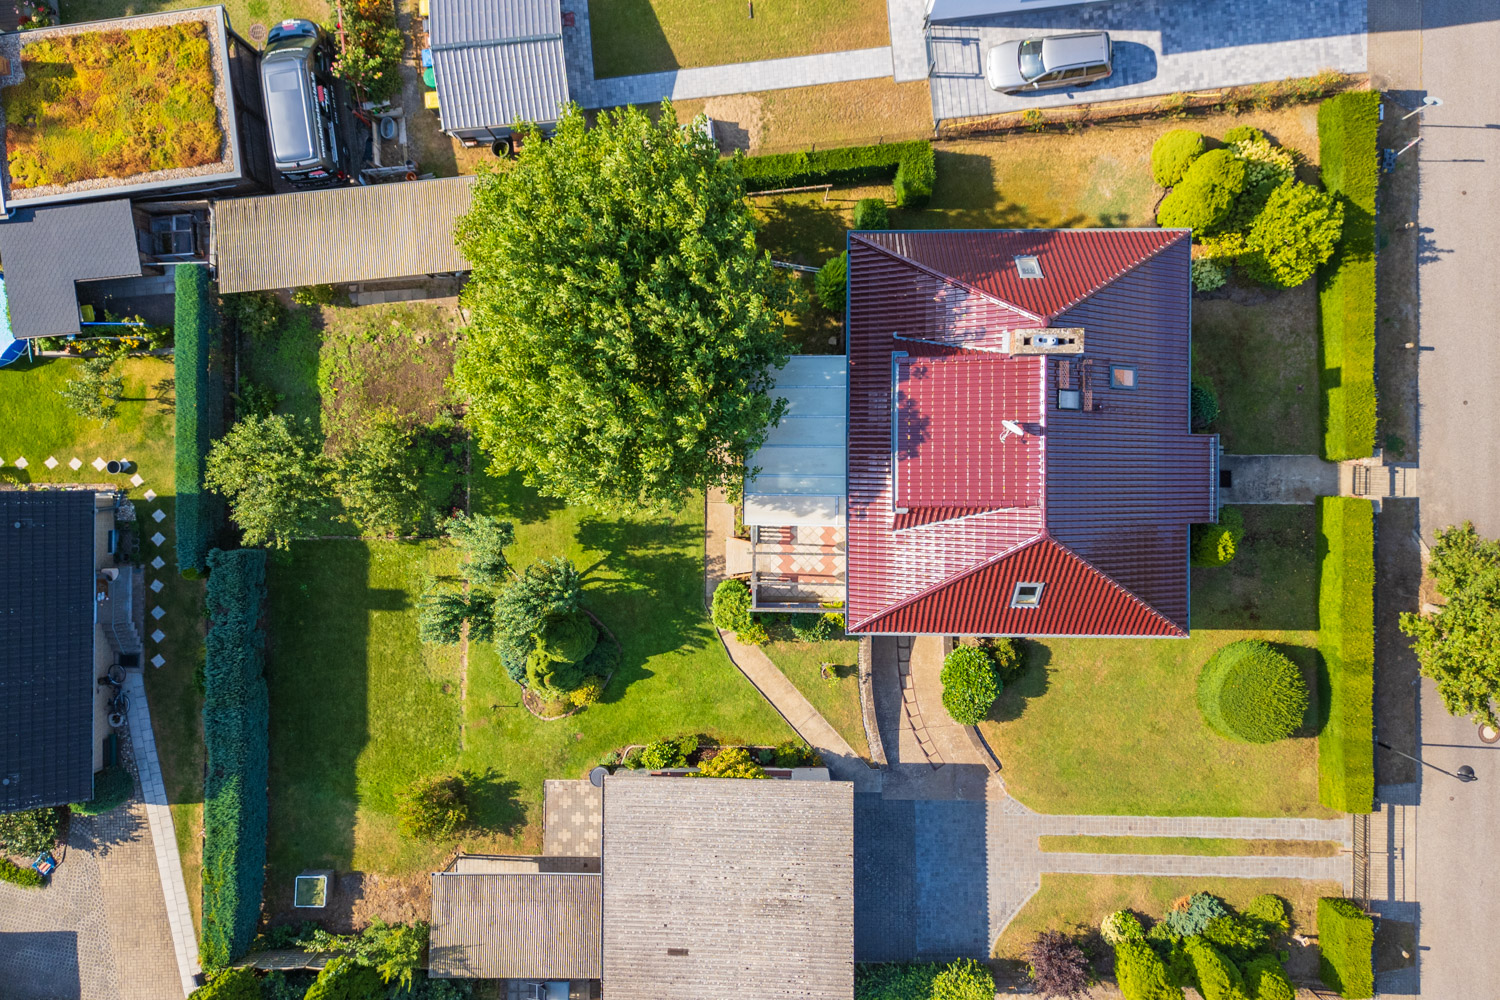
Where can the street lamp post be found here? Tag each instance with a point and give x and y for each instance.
(1465, 773)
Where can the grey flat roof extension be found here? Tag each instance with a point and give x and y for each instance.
(340, 235)
(801, 463)
(497, 64)
(46, 648)
(46, 251)
(515, 926)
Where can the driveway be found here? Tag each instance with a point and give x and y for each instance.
(1161, 47)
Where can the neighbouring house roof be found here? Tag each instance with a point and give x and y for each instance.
(46, 251)
(945, 517)
(498, 64)
(340, 235)
(722, 887)
(46, 648)
(515, 926)
(801, 463)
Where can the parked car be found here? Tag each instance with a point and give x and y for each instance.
(1048, 63)
(302, 105)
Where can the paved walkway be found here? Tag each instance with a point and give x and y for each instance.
(1161, 47)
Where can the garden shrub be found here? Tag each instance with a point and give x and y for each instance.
(257, 316)
(1141, 974)
(831, 283)
(895, 981)
(871, 213)
(1204, 405)
(731, 762)
(1121, 925)
(1206, 193)
(1207, 276)
(1189, 915)
(1348, 152)
(567, 636)
(731, 605)
(236, 715)
(1346, 948)
(1243, 133)
(1346, 640)
(1239, 937)
(30, 831)
(587, 693)
(965, 979)
(1216, 544)
(816, 628)
(231, 984)
(431, 808)
(112, 786)
(662, 755)
(1173, 153)
(1266, 979)
(793, 753)
(1271, 910)
(1005, 658)
(1058, 967)
(603, 660)
(546, 588)
(194, 323)
(1251, 693)
(1214, 975)
(754, 634)
(970, 686)
(27, 878)
(344, 979)
(1294, 233)
(909, 165)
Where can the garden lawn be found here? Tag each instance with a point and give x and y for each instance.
(651, 36)
(1111, 726)
(242, 13)
(1077, 903)
(38, 425)
(858, 112)
(1203, 847)
(837, 700)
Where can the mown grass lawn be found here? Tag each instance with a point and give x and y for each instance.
(242, 13)
(39, 425)
(1111, 726)
(837, 700)
(650, 36)
(1203, 847)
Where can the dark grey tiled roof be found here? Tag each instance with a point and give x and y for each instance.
(723, 887)
(46, 648)
(526, 926)
(340, 235)
(499, 63)
(46, 250)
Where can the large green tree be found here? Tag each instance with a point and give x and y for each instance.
(625, 329)
(1459, 645)
(377, 480)
(273, 473)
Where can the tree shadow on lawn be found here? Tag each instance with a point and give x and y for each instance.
(506, 495)
(1032, 682)
(1272, 584)
(802, 229)
(495, 805)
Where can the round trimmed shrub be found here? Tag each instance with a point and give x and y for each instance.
(1141, 974)
(831, 283)
(1205, 405)
(112, 786)
(1214, 975)
(731, 606)
(1266, 979)
(1173, 153)
(1121, 925)
(1242, 133)
(431, 808)
(1206, 193)
(970, 686)
(1216, 544)
(568, 637)
(586, 693)
(1269, 909)
(871, 213)
(1296, 231)
(1251, 693)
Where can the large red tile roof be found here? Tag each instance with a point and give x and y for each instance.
(944, 518)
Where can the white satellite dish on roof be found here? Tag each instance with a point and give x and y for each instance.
(1011, 427)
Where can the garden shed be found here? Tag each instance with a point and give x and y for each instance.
(48, 250)
(489, 924)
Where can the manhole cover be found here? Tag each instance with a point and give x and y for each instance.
(257, 33)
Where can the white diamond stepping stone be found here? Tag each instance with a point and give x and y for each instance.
(75, 464)
(158, 635)
(157, 660)
(157, 563)
(158, 516)
(21, 462)
(156, 586)
(98, 464)
(158, 538)
(158, 613)
(136, 480)
(150, 494)
(51, 462)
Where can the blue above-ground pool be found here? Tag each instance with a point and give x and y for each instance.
(11, 349)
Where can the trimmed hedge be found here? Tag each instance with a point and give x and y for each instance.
(910, 166)
(1348, 149)
(1346, 638)
(871, 213)
(194, 326)
(236, 714)
(112, 786)
(1250, 692)
(1346, 948)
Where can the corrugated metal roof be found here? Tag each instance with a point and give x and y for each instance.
(46, 251)
(489, 926)
(46, 648)
(339, 235)
(724, 887)
(1117, 486)
(498, 63)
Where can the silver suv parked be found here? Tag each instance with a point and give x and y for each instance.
(302, 105)
(1048, 63)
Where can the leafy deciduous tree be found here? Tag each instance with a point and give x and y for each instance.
(1459, 645)
(625, 326)
(1058, 968)
(272, 472)
(96, 392)
(377, 482)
